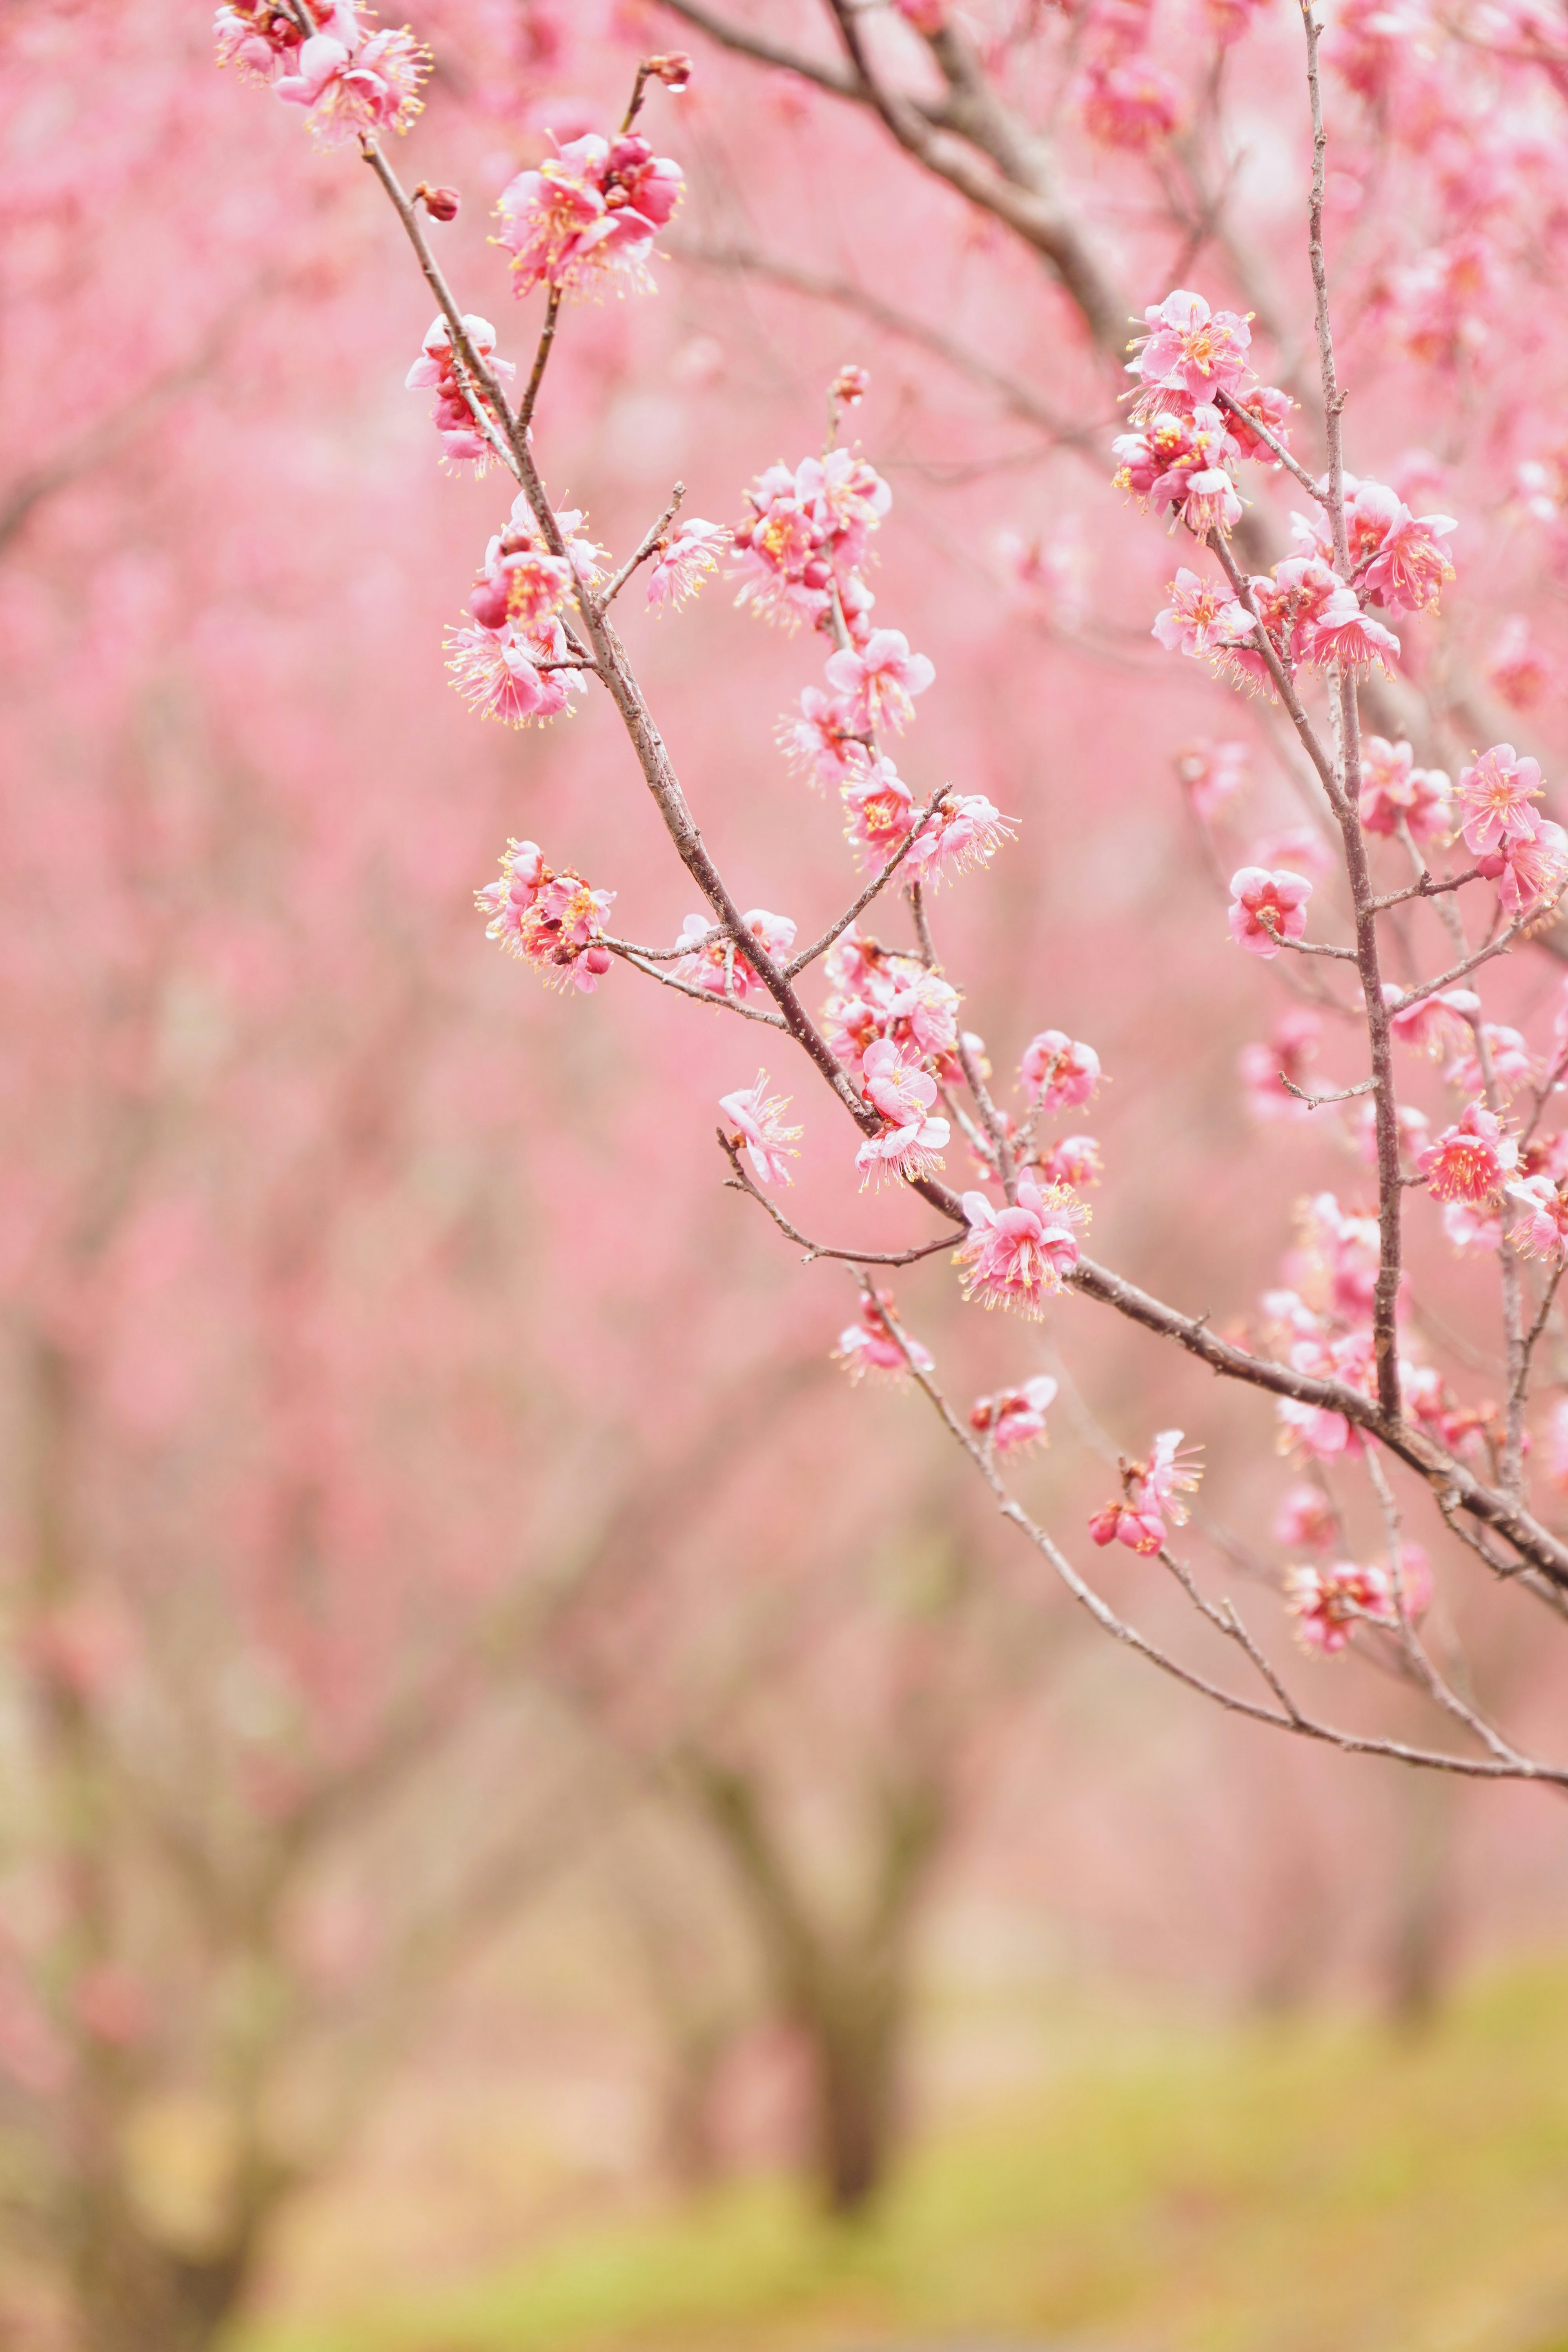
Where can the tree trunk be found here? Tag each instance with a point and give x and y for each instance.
(133, 2295)
(854, 2050)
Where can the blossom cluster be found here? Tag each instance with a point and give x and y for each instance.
(1151, 1502)
(553, 921)
(463, 414)
(352, 81)
(587, 219)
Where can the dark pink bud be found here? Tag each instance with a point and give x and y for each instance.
(441, 203)
(488, 603)
(674, 70)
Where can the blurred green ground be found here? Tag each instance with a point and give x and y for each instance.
(1302, 2187)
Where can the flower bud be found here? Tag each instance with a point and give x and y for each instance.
(441, 203)
(674, 70)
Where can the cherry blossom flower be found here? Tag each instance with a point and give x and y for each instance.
(1076, 1160)
(1266, 908)
(1393, 792)
(819, 743)
(685, 558)
(588, 217)
(1191, 349)
(1264, 406)
(966, 830)
(1202, 617)
(1529, 873)
(1431, 1025)
(805, 530)
(554, 922)
(1213, 774)
(1328, 1603)
(1131, 106)
(1408, 568)
(355, 89)
(1058, 1071)
(498, 679)
(1512, 1063)
(1301, 848)
(1211, 503)
(880, 809)
(1543, 1230)
(1470, 1160)
(755, 1121)
(1014, 1419)
(258, 36)
(868, 1346)
(911, 1141)
(849, 387)
(1515, 665)
(439, 370)
(880, 681)
(1305, 1520)
(713, 961)
(1150, 1504)
(1345, 638)
(1291, 1050)
(1494, 798)
(1019, 1256)
(1471, 1232)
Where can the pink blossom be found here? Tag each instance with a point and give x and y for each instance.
(1494, 798)
(911, 1142)
(849, 387)
(712, 960)
(258, 36)
(554, 922)
(1347, 639)
(1150, 1502)
(1543, 1230)
(1300, 847)
(1202, 617)
(1557, 1445)
(1266, 406)
(1211, 502)
(1192, 350)
(1408, 569)
(1512, 1063)
(1131, 105)
(439, 370)
(497, 678)
(1266, 908)
(1076, 1160)
(1213, 773)
(1431, 1025)
(868, 1347)
(1412, 1126)
(1291, 1050)
(1014, 1419)
(588, 217)
(966, 830)
(806, 531)
(1143, 1531)
(1328, 1603)
(1529, 873)
(353, 90)
(1020, 1256)
(1470, 1231)
(1058, 1071)
(685, 558)
(1305, 1520)
(1393, 792)
(756, 1124)
(880, 809)
(1469, 1161)
(880, 681)
(819, 744)
(1515, 665)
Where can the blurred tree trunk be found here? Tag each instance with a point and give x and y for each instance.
(844, 1986)
(1419, 1947)
(133, 2295)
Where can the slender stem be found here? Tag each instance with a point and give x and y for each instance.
(876, 883)
(742, 1182)
(649, 541)
(541, 360)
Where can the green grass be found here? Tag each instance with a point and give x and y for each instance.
(1312, 2188)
